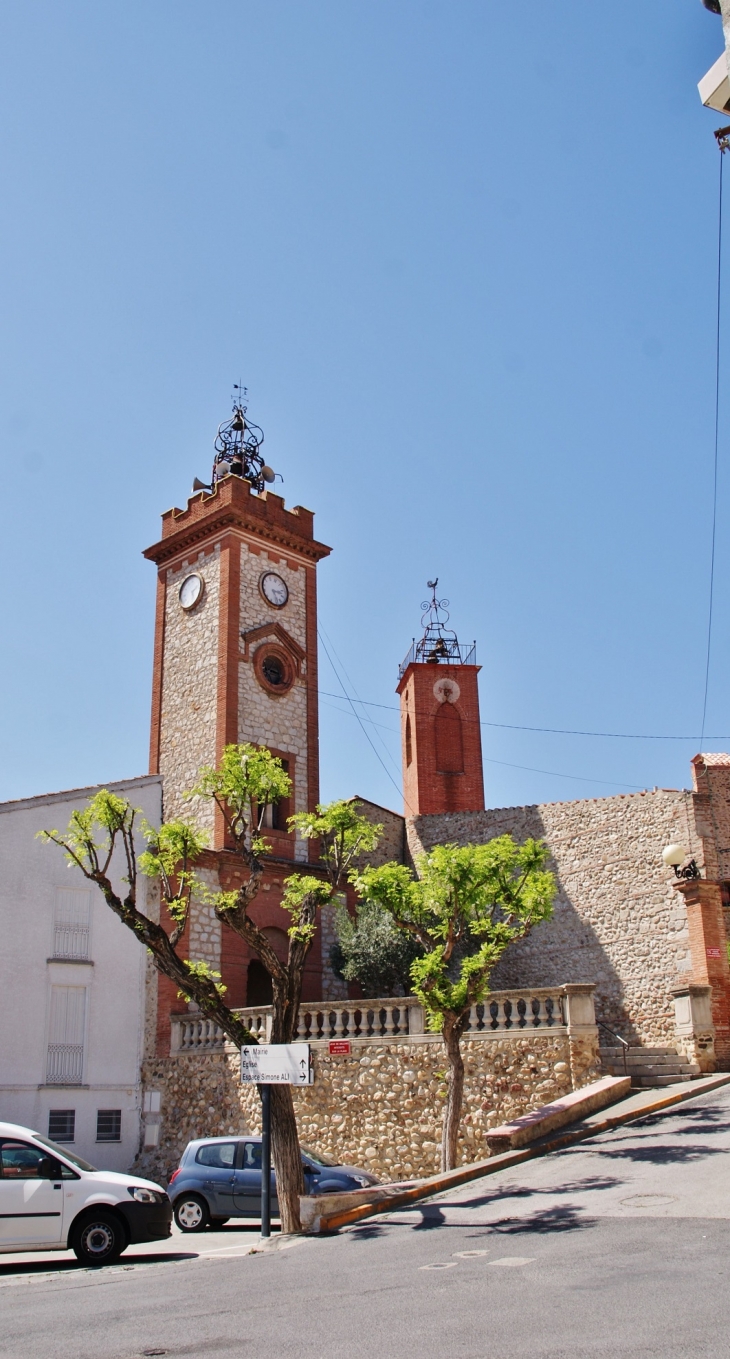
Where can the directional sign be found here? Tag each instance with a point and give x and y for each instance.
(276, 1064)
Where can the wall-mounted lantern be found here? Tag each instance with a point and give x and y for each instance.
(674, 856)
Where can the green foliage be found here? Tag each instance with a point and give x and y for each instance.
(247, 780)
(92, 831)
(371, 950)
(170, 853)
(302, 895)
(202, 972)
(466, 906)
(343, 833)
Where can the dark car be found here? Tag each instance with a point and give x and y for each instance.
(220, 1177)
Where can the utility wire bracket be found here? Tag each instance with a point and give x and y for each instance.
(722, 137)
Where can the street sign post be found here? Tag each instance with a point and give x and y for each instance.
(267, 1064)
(276, 1064)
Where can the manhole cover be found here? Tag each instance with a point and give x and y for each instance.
(649, 1200)
(450, 1264)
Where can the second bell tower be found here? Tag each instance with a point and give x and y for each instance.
(440, 729)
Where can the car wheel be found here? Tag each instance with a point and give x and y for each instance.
(98, 1239)
(191, 1213)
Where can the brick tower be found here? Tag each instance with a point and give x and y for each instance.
(440, 731)
(235, 660)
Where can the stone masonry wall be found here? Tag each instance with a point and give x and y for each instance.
(391, 846)
(189, 689)
(333, 987)
(277, 722)
(381, 1107)
(618, 920)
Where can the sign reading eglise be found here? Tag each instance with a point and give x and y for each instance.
(277, 1064)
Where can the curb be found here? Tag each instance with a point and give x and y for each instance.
(642, 1104)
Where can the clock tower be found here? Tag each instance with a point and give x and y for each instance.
(235, 660)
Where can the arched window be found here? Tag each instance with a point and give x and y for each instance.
(449, 743)
(409, 745)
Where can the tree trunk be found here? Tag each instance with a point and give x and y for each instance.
(287, 1157)
(452, 1032)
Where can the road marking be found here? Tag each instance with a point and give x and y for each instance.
(514, 1260)
(469, 1254)
(448, 1264)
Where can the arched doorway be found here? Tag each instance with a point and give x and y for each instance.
(259, 990)
(258, 984)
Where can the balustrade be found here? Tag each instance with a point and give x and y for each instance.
(506, 1010)
(530, 1009)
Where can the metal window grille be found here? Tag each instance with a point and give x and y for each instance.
(71, 923)
(65, 1062)
(109, 1125)
(62, 1125)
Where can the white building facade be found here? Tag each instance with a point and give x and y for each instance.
(73, 985)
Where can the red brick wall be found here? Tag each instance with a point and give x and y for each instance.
(439, 743)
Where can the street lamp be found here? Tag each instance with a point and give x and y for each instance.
(673, 856)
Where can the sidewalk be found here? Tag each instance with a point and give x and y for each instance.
(638, 1105)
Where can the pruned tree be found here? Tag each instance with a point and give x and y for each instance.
(465, 906)
(245, 783)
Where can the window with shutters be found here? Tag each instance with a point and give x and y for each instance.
(449, 742)
(71, 920)
(409, 742)
(65, 1062)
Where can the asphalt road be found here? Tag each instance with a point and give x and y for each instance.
(616, 1248)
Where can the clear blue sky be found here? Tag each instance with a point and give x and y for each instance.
(464, 257)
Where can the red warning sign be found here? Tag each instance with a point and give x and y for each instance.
(340, 1047)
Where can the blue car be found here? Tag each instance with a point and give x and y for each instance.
(220, 1177)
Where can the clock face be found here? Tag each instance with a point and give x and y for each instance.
(191, 591)
(274, 589)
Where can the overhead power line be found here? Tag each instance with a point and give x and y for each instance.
(553, 731)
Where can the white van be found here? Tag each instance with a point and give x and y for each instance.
(52, 1200)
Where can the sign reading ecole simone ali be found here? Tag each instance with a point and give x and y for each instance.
(276, 1064)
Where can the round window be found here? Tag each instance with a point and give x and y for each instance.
(274, 669)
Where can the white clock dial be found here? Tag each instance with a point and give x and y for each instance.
(274, 589)
(191, 591)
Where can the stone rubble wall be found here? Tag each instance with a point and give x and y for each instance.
(381, 1107)
(618, 920)
(391, 846)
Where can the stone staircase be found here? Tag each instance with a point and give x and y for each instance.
(649, 1067)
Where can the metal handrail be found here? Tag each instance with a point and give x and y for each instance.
(624, 1045)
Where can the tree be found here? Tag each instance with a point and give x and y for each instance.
(464, 907)
(246, 782)
(373, 951)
